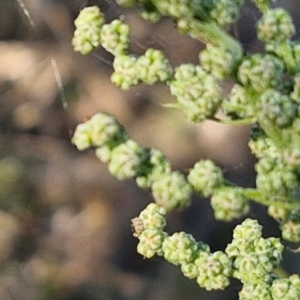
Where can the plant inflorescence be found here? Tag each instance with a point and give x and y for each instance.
(266, 94)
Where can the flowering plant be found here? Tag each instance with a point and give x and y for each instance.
(266, 94)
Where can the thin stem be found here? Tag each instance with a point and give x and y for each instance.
(246, 121)
(211, 33)
(259, 197)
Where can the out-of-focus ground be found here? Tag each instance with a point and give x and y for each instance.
(64, 221)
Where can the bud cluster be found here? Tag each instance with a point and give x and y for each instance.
(275, 25)
(126, 159)
(211, 270)
(249, 257)
(197, 92)
(254, 257)
(220, 62)
(265, 93)
(88, 27)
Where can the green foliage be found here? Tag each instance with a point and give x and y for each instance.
(265, 93)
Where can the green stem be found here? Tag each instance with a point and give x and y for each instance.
(259, 197)
(211, 33)
(276, 134)
(284, 50)
(278, 201)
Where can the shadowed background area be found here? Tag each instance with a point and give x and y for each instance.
(64, 221)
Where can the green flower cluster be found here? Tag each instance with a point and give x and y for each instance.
(275, 289)
(275, 25)
(211, 270)
(274, 177)
(278, 213)
(180, 248)
(229, 203)
(153, 67)
(149, 68)
(114, 37)
(261, 72)
(88, 27)
(237, 104)
(130, 70)
(220, 62)
(254, 258)
(265, 93)
(223, 12)
(275, 108)
(100, 130)
(197, 93)
(260, 144)
(286, 288)
(156, 165)
(205, 177)
(177, 8)
(261, 96)
(127, 160)
(125, 75)
(249, 257)
(172, 191)
(278, 177)
(290, 226)
(91, 32)
(148, 228)
(214, 270)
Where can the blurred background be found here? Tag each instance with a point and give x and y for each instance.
(64, 221)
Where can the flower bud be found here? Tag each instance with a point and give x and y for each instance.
(125, 72)
(197, 93)
(126, 160)
(88, 26)
(172, 191)
(275, 25)
(261, 72)
(205, 177)
(179, 248)
(229, 204)
(153, 67)
(115, 37)
(214, 270)
(150, 242)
